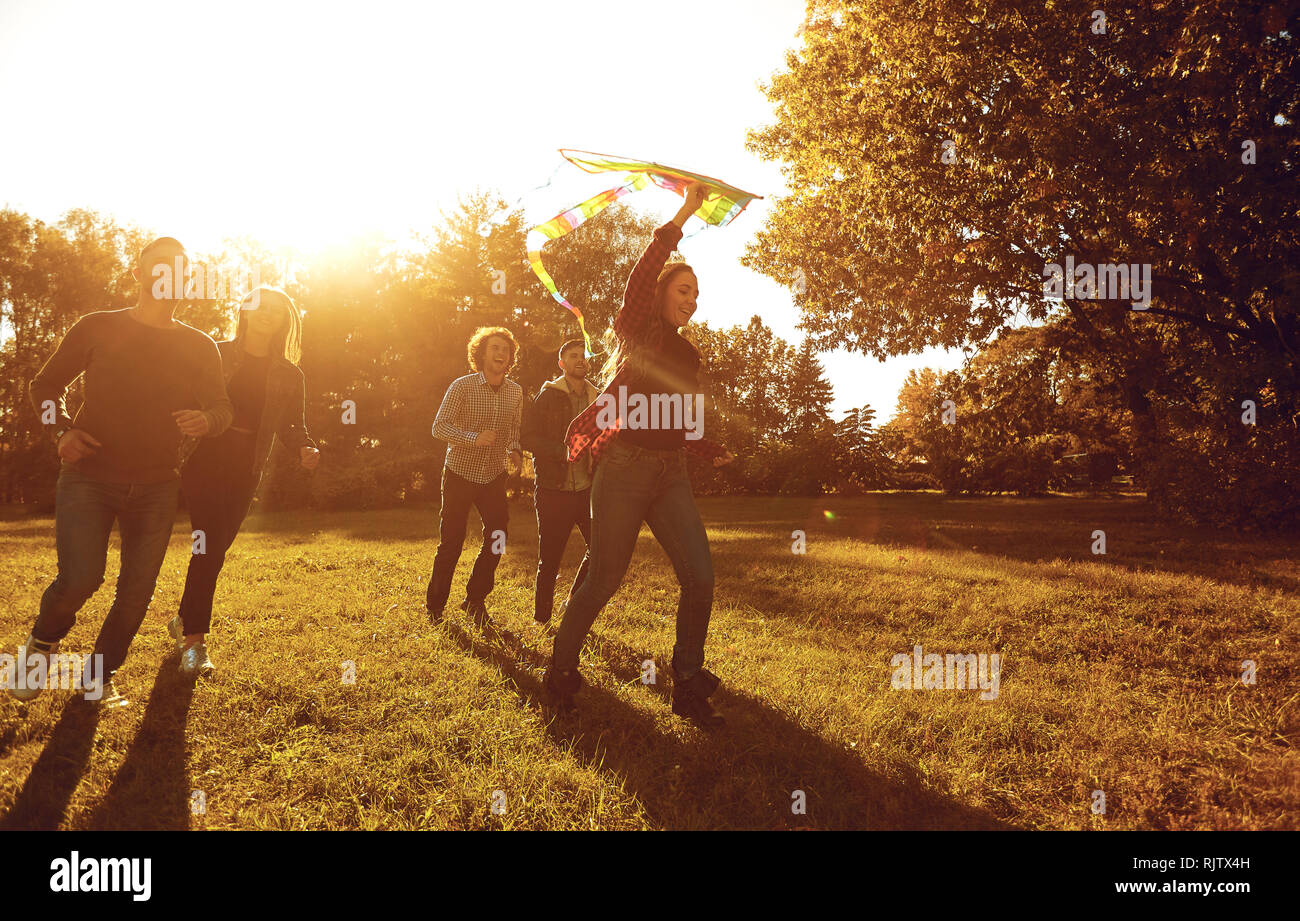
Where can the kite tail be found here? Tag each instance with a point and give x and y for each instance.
(565, 222)
(535, 260)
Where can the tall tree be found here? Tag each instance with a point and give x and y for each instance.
(859, 459)
(807, 395)
(50, 276)
(942, 154)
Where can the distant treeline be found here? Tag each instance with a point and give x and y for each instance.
(387, 331)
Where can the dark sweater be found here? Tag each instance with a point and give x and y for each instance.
(135, 377)
(247, 391)
(671, 368)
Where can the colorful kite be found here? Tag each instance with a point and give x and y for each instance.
(723, 204)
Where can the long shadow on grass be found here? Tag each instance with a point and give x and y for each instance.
(43, 800)
(743, 776)
(150, 790)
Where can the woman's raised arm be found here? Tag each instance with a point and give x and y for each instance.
(638, 310)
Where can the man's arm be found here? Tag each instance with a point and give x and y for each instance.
(446, 425)
(512, 441)
(530, 432)
(211, 392)
(50, 385)
(532, 436)
(535, 438)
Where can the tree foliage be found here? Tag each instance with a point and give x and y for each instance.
(384, 333)
(941, 154)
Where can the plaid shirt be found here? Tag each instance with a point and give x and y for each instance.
(469, 408)
(637, 323)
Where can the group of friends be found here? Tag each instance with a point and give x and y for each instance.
(167, 411)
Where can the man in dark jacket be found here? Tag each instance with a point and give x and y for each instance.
(562, 490)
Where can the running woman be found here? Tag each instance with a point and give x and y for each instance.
(640, 470)
(221, 475)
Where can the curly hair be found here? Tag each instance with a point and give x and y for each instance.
(477, 348)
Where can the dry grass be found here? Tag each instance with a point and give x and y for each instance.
(1121, 673)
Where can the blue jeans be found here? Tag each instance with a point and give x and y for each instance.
(634, 485)
(84, 511)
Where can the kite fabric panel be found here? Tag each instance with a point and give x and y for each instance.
(718, 211)
(722, 206)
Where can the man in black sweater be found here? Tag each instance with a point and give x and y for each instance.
(150, 380)
(562, 490)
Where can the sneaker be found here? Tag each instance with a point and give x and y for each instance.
(195, 662)
(110, 699)
(561, 685)
(29, 649)
(174, 628)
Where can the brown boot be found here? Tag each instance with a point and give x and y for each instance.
(691, 698)
(561, 685)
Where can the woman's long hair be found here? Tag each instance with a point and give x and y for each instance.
(287, 341)
(633, 354)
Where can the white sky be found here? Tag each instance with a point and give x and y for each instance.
(307, 124)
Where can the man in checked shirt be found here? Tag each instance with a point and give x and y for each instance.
(479, 420)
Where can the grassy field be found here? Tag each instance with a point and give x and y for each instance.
(1121, 673)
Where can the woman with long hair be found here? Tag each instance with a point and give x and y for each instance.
(222, 474)
(640, 469)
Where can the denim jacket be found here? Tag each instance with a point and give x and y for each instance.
(282, 414)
